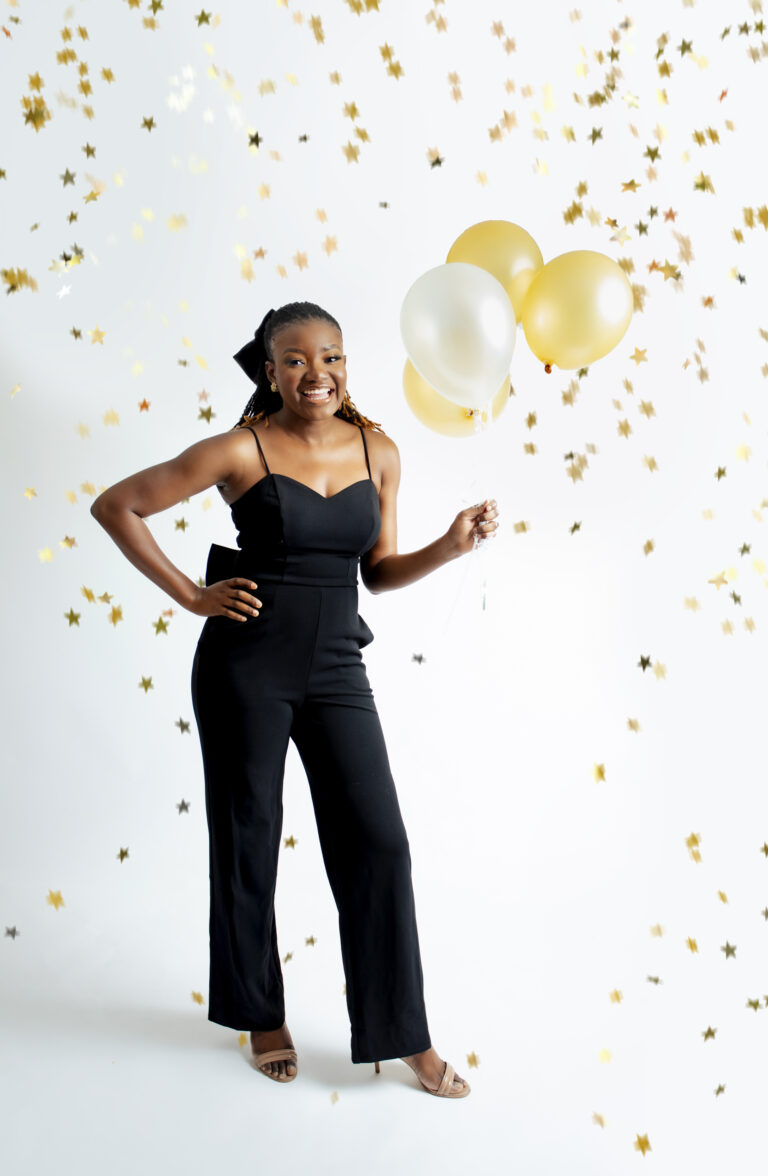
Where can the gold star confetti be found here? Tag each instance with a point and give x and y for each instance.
(17, 279)
(36, 113)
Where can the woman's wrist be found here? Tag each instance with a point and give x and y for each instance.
(448, 548)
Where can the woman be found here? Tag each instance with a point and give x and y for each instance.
(312, 487)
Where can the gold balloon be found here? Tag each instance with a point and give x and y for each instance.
(577, 309)
(442, 415)
(504, 249)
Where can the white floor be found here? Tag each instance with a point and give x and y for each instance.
(129, 1089)
(104, 1070)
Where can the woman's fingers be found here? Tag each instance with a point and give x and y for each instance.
(486, 521)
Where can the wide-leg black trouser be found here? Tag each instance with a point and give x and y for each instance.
(296, 672)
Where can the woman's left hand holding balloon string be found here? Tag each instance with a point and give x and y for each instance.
(474, 522)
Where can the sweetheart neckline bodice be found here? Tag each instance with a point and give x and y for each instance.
(288, 478)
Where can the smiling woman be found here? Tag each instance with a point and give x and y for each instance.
(312, 511)
(299, 372)
(297, 673)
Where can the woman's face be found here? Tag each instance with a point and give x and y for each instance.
(306, 356)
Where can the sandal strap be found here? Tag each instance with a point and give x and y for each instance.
(447, 1079)
(276, 1055)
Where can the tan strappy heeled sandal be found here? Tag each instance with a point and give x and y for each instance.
(276, 1055)
(444, 1089)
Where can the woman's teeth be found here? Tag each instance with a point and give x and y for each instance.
(322, 395)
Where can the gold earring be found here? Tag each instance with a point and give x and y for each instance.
(273, 386)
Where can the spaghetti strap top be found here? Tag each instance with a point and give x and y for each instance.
(290, 533)
(266, 467)
(261, 451)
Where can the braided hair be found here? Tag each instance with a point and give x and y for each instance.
(254, 355)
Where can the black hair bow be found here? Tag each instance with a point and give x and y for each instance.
(251, 355)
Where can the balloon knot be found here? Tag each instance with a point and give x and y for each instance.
(548, 368)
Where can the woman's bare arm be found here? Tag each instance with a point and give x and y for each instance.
(122, 508)
(383, 568)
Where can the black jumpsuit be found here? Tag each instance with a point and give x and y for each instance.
(296, 671)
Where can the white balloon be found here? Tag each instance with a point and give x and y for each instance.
(458, 327)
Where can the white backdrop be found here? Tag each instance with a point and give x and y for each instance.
(587, 835)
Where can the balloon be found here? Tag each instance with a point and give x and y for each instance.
(504, 249)
(577, 309)
(458, 328)
(444, 416)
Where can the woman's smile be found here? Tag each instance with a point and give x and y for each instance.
(319, 395)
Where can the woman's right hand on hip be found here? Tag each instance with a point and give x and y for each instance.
(227, 598)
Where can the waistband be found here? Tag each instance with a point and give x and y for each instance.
(316, 568)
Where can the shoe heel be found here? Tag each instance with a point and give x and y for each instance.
(376, 1064)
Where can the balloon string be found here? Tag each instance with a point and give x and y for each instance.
(481, 420)
(470, 499)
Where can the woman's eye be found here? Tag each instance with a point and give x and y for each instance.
(290, 361)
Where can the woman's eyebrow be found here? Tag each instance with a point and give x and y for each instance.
(328, 347)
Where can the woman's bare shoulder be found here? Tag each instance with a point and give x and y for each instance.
(377, 435)
(237, 442)
(384, 455)
(240, 432)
